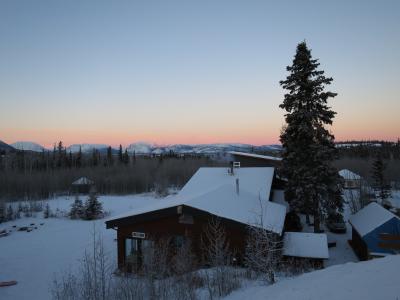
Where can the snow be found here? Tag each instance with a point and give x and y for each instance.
(349, 175)
(26, 145)
(33, 258)
(370, 217)
(267, 157)
(305, 244)
(395, 198)
(370, 280)
(213, 190)
(83, 181)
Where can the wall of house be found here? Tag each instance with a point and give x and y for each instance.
(170, 226)
(359, 246)
(246, 161)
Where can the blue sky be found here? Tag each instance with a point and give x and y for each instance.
(189, 71)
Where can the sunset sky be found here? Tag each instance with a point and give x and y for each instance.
(190, 71)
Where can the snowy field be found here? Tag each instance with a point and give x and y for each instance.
(370, 280)
(32, 258)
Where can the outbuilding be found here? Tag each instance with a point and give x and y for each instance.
(351, 179)
(237, 200)
(375, 232)
(306, 248)
(82, 185)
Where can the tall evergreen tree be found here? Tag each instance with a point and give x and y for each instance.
(378, 169)
(120, 154)
(93, 208)
(109, 156)
(313, 185)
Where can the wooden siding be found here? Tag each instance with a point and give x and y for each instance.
(168, 223)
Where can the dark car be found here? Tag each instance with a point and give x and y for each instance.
(336, 224)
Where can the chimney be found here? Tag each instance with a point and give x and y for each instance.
(237, 186)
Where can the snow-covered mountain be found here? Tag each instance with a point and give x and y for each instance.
(86, 147)
(140, 148)
(29, 146)
(146, 148)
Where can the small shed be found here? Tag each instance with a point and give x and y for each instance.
(305, 247)
(82, 185)
(375, 232)
(351, 179)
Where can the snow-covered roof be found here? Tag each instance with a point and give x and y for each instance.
(213, 190)
(349, 175)
(266, 157)
(370, 217)
(305, 244)
(83, 181)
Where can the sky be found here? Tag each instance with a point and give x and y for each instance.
(167, 72)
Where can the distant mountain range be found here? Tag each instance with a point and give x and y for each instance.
(146, 148)
(28, 146)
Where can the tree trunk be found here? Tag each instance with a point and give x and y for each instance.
(317, 228)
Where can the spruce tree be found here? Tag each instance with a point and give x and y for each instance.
(109, 156)
(313, 185)
(77, 209)
(93, 208)
(378, 168)
(120, 154)
(2, 211)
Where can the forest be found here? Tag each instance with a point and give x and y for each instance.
(29, 175)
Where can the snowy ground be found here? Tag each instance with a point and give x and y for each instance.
(370, 280)
(32, 258)
(395, 199)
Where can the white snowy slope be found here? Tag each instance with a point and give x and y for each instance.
(26, 145)
(370, 280)
(139, 148)
(85, 147)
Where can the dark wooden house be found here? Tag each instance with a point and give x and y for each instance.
(235, 199)
(375, 232)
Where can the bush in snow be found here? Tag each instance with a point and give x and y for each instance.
(10, 213)
(47, 211)
(263, 252)
(77, 210)
(221, 278)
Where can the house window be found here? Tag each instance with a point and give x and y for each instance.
(179, 241)
(132, 250)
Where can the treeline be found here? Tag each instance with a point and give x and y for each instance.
(29, 175)
(369, 149)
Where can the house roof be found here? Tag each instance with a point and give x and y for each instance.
(83, 181)
(213, 190)
(266, 157)
(370, 217)
(349, 175)
(304, 244)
